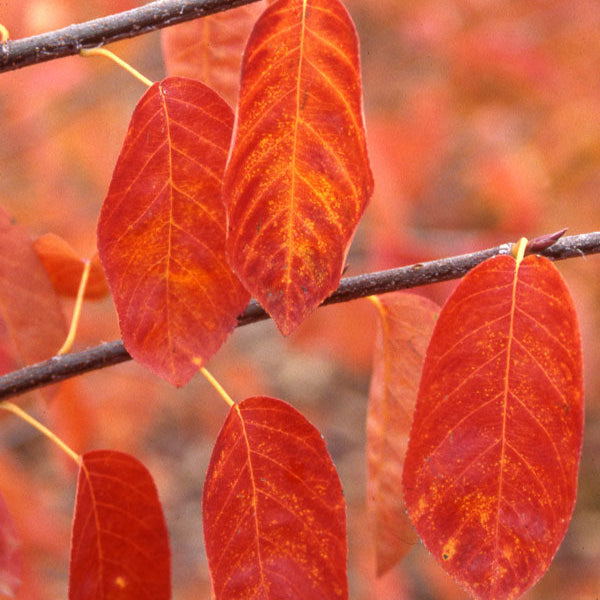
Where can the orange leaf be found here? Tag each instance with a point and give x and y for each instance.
(119, 544)
(210, 49)
(11, 558)
(298, 177)
(490, 473)
(28, 304)
(161, 235)
(273, 510)
(405, 326)
(65, 268)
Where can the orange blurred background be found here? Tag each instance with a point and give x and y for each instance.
(484, 126)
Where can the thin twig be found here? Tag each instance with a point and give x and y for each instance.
(15, 54)
(64, 367)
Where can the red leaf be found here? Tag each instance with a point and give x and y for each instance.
(11, 557)
(65, 267)
(273, 510)
(119, 544)
(298, 177)
(491, 469)
(405, 326)
(28, 304)
(210, 49)
(161, 235)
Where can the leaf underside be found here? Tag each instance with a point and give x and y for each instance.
(404, 328)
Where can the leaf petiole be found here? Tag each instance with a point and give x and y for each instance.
(220, 390)
(517, 250)
(108, 54)
(13, 408)
(77, 309)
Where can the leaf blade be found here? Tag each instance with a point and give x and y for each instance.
(119, 543)
(210, 49)
(65, 268)
(28, 303)
(404, 327)
(298, 178)
(273, 507)
(11, 554)
(499, 419)
(161, 234)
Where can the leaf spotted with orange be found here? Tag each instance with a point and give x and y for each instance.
(298, 177)
(119, 543)
(161, 235)
(273, 510)
(491, 469)
(405, 325)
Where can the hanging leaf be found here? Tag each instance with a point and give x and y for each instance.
(273, 510)
(161, 235)
(490, 473)
(210, 49)
(11, 556)
(65, 268)
(28, 304)
(405, 326)
(298, 178)
(119, 543)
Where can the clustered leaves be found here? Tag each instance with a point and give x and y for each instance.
(475, 417)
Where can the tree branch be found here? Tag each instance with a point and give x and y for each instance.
(64, 367)
(15, 54)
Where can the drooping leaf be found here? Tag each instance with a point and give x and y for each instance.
(161, 234)
(405, 325)
(11, 557)
(210, 49)
(298, 177)
(65, 267)
(119, 543)
(28, 304)
(273, 510)
(491, 469)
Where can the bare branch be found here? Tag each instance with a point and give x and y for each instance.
(66, 366)
(15, 54)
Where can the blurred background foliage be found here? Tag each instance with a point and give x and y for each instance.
(483, 120)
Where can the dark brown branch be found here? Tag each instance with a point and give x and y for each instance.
(16, 54)
(64, 367)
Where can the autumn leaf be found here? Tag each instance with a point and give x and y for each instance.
(298, 178)
(161, 234)
(273, 510)
(405, 325)
(119, 543)
(28, 304)
(490, 473)
(11, 556)
(210, 49)
(65, 268)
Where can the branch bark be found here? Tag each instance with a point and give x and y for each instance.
(64, 367)
(15, 54)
